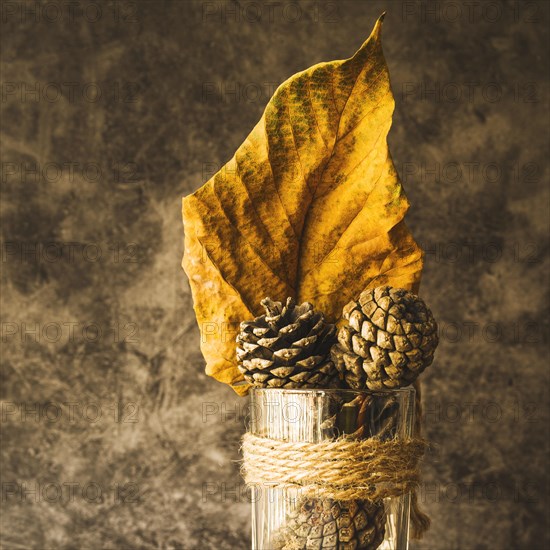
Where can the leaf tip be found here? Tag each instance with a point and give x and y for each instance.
(240, 388)
(378, 25)
(375, 37)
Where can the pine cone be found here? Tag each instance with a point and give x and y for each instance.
(390, 338)
(327, 524)
(288, 347)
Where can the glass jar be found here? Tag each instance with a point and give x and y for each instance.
(284, 519)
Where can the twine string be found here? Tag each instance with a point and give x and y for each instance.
(340, 469)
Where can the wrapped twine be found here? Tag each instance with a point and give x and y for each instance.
(339, 469)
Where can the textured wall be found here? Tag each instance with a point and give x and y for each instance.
(112, 437)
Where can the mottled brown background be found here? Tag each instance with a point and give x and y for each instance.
(112, 437)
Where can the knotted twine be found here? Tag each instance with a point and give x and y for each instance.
(340, 469)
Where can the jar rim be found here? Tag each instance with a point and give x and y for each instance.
(332, 391)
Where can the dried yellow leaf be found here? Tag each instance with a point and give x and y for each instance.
(310, 206)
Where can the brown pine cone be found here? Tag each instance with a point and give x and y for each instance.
(389, 339)
(288, 347)
(327, 524)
